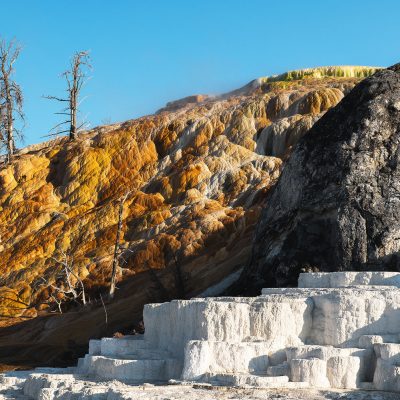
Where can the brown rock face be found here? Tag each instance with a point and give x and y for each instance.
(197, 178)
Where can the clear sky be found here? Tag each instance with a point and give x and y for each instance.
(146, 53)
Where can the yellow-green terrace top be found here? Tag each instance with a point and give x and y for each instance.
(343, 71)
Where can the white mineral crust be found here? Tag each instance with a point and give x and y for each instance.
(336, 331)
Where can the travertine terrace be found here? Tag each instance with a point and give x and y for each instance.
(198, 173)
(335, 331)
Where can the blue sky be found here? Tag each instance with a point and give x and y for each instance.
(146, 53)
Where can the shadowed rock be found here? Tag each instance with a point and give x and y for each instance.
(336, 206)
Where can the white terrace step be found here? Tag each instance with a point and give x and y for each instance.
(294, 292)
(127, 349)
(388, 351)
(253, 380)
(134, 370)
(124, 345)
(117, 346)
(387, 375)
(279, 370)
(387, 371)
(346, 324)
(326, 352)
(207, 357)
(327, 366)
(367, 341)
(145, 354)
(345, 279)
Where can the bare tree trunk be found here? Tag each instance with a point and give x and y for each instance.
(9, 122)
(72, 291)
(116, 247)
(72, 130)
(75, 78)
(73, 104)
(83, 294)
(10, 95)
(10, 130)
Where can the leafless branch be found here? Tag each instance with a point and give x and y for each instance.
(68, 283)
(61, 123)
(55, 134)
(55, 98)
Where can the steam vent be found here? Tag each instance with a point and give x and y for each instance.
(336, 330)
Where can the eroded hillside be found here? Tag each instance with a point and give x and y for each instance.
(196, 174)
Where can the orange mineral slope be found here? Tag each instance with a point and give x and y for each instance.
(196, 176)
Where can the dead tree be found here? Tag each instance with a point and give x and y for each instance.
(68, 284)
(11, 99)
(76, 78)
(117, 246)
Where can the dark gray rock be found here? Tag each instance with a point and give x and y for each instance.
(336, 206)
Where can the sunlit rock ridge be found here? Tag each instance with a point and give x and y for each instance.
(197, 173)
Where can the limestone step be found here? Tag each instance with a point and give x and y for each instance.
(94, 347)
(387, 375)
(387, 370)
(337, 371)
(311, 370)
(388, 351)
(253, 380)
(345, 279)
(363, 368)
(134, 349)
(298, 292)
(134, 370)
(325, 352)
(367, 341)
(279, 370)
(217, 357)
(57, 371)
(81, 365)
(145, 354)
(121, 346)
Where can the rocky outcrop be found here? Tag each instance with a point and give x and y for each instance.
(337, 203)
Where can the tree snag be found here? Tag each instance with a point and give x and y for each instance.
(11, 98)
(68, 285)
(116, 246)
(76, 78)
